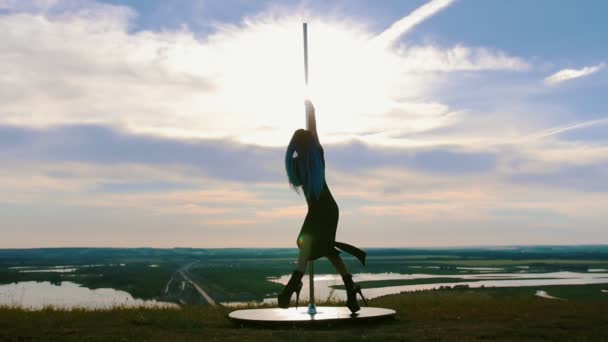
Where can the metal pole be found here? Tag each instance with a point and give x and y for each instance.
(305, 30)
(312, 309)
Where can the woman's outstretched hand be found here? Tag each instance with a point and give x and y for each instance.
(311, 123)
(310, 109)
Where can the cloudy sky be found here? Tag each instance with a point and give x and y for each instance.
(164, 123)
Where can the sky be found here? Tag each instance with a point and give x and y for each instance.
(164, 123)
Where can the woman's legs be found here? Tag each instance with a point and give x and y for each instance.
(351, 288)
(338, 263)
(303, 256)
(295, 282)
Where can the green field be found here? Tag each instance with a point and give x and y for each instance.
(441, 315)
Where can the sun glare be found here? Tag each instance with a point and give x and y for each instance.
(260, 90)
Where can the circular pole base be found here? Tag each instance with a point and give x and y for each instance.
(312, 309)
(325, 315)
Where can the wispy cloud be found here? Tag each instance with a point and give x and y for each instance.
(283, 212)
(459, 58)
(405, 24)
(570, 74)
(565, 128)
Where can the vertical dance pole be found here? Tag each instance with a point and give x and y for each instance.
(305, 27)
(312, 309)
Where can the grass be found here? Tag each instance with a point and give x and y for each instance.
(235, 284)
(443, 315)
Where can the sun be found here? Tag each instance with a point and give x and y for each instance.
(260, 90)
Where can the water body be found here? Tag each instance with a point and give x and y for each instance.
(481, 268)
(48, 270)
(544, 294)
(54, 267)
(324, 283)
(68, 295)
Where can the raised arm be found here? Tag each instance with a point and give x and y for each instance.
(311, 122)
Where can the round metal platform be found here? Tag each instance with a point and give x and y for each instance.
(326, 315)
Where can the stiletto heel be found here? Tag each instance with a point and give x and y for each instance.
(298, 294)
(361, 294)
(294, 285)
(351, 293)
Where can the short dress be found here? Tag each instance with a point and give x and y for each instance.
(320, 225)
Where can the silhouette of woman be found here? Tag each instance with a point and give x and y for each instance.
(305, 166)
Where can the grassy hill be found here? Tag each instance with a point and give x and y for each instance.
(443, 315)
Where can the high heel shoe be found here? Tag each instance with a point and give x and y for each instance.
(361, 294)
(294, 285)
(352, 290)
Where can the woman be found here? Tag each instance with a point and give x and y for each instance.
(305, 166)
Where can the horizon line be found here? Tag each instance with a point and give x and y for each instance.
(388, 247)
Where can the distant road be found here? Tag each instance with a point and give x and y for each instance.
(168, 284)
(202, 292)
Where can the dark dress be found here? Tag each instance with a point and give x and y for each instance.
(320, 226)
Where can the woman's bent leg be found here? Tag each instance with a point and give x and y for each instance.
(351, 288)
(338, 263)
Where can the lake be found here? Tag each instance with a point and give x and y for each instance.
(37, 295)
(325, 291)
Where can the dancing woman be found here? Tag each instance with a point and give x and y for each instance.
(305, 166)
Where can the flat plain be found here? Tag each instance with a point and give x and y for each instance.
(451, 313)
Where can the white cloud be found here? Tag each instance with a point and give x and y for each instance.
(405, 24)
(570, 74)
(458, 58)
(83, 65)
(27, 5)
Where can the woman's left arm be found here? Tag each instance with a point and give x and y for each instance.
(311, 123)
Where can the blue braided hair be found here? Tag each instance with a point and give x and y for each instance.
(304, 164)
